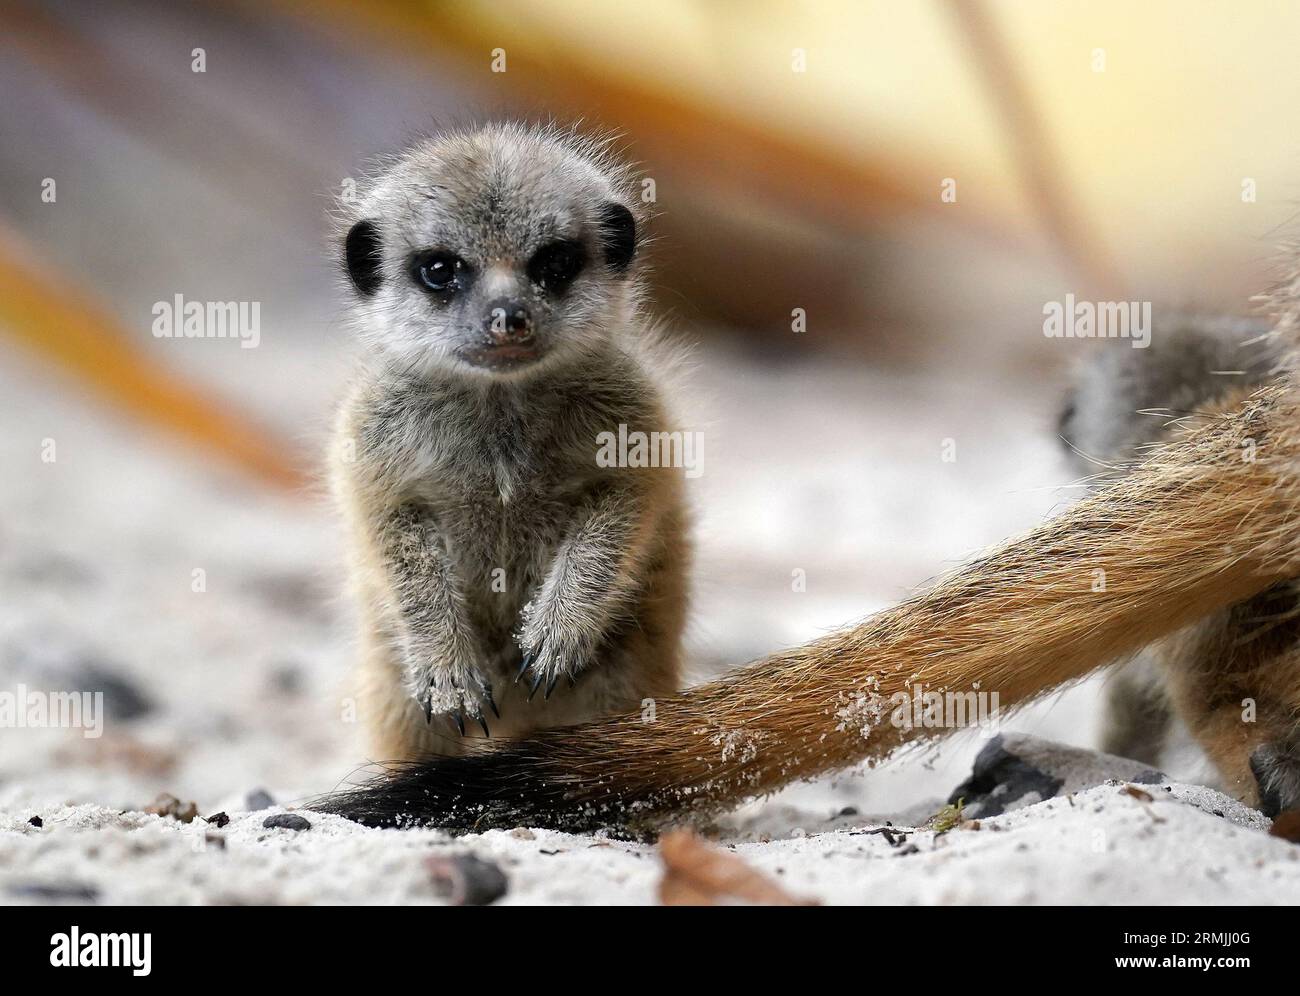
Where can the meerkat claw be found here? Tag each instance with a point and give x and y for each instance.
(492, 703)
(533, 690)
(550, 687)
(483, 723)
(459, 720)
(525, 664)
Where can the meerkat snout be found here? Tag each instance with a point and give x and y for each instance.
(509, 322)
(508, 340)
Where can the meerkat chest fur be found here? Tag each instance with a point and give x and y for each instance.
(503, 470)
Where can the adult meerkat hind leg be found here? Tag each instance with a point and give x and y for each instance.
(1235, 680)
(1138, 715)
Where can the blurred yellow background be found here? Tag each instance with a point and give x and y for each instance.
(799, 149)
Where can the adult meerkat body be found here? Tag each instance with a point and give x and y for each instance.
(1232, 678)
(508, 579)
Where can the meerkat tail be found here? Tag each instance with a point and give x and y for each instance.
(1203, 523)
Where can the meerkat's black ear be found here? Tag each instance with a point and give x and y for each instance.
(617, 235)
(362, 254)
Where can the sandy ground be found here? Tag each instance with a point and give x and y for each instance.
(1187, 845)
(208, 613)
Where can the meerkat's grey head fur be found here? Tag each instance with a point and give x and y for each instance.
(495, 252)
(1123, 399)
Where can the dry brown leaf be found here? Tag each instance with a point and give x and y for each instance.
(169, 805)
(696, 874)
(1140, 794)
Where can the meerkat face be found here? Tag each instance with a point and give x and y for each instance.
(494, 253)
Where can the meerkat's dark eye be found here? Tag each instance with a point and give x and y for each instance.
(441, 272)
(554, 266)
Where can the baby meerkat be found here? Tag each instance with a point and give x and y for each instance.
(507, 581)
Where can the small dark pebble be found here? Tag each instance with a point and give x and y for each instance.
(849, 811)
(286, 679)
(218, 820)
(54, 569)
(124, 700)
(37, 822)
(286, 821)
(55, 892)
(258, 799)
(894, 837)
(215, 839)
(465, 880)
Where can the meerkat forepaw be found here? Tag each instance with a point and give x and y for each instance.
(546, 663)
(457, 716)
(536, 668)
(455, 695)
(550, 685)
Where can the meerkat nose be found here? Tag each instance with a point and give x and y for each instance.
(508, 322)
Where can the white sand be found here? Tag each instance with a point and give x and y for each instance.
(809, 469)
(1098, 846)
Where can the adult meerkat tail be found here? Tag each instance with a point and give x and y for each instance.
(1203, 523)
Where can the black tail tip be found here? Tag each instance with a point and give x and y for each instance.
(498, 790)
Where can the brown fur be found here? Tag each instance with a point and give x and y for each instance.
(1193, 531)
(1230, 678)
(1234, 679)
